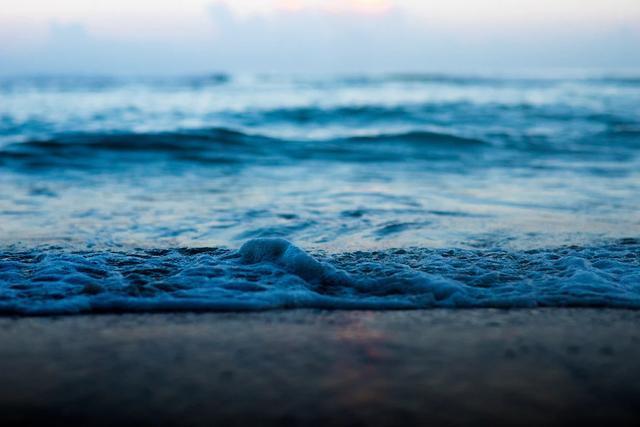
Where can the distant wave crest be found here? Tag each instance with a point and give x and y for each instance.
(221, 145)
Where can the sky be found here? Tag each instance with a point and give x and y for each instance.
(201, 36)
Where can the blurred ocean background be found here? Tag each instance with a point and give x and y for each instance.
(396, 191)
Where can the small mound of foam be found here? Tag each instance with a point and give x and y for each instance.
(292, 259)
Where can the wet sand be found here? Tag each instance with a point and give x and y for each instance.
(309, 367)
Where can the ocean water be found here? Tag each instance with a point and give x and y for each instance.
(237, 192)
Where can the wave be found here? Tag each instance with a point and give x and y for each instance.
(96, 150)
(419, 137)
(272, 273)
(345, 115)
(628, 80)
(221, 145)
(197, 81)
(626, 130)
(71, 83)
(443, 112)
(226, 145)
(447, 79)
(486, 79)
(461, 79)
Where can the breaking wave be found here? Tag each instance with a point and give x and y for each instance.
(223, 145)
(272, 273)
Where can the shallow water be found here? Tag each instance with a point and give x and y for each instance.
(407, 191)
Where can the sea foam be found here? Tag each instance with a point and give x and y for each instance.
(273, 273)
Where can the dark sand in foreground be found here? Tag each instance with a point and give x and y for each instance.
(306, 367)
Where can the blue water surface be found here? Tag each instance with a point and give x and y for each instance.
(229, 192)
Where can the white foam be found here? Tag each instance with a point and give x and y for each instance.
(272, 273)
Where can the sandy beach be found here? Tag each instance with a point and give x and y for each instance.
(308, 367)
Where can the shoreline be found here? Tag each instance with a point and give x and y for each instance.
(316, 367)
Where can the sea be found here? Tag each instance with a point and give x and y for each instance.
(225, 192)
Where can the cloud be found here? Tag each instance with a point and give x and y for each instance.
(312, 39)
(71, 49)
(369, 35)
(325, 39)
